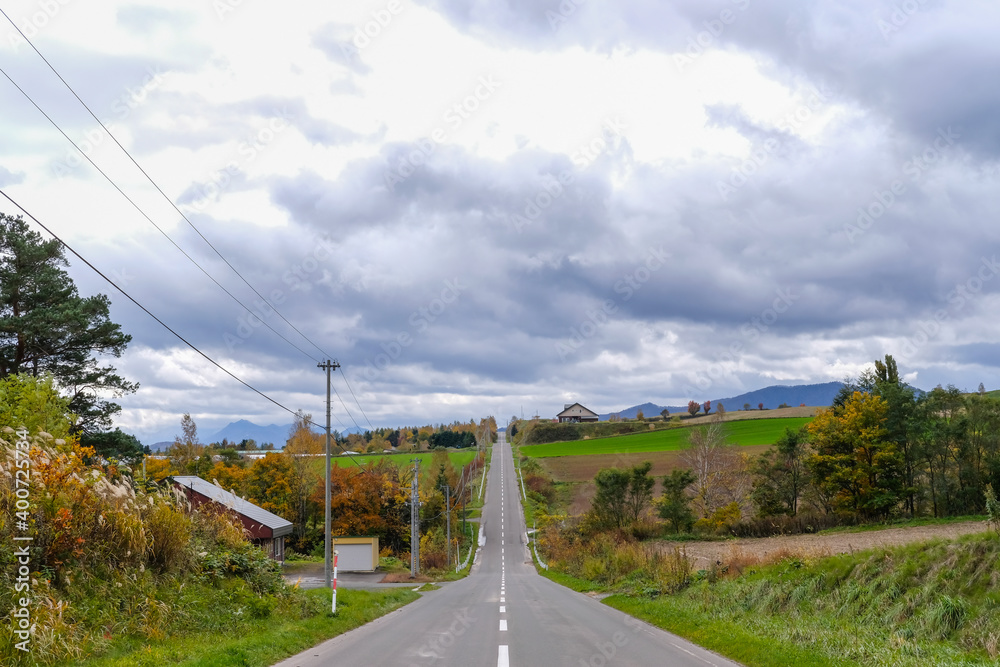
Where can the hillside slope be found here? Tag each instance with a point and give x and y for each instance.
(773, 396)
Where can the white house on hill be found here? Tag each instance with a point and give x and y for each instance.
(577, 413)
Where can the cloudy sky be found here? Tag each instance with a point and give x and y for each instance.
(501, 205)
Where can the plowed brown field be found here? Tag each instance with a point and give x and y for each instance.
(581, 470)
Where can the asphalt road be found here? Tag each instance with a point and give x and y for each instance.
(505, 614)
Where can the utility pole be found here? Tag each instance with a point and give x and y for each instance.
(447, 520)
(415, 521)
(327, 366)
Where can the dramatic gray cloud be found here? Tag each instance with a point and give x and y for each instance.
(479, 207)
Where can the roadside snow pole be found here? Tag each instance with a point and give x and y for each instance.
(334, 608)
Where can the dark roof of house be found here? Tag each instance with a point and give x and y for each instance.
(565, 409)
(277, 525)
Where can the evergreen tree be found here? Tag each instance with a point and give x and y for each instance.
(116, 445)
(781, 475)
(46, 327)
(675, 505)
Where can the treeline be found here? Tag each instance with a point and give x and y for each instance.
(409, 438)
(457, 434)
(882, 450)
(539, 432)
(367, 499)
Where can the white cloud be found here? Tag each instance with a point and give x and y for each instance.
(745, 162)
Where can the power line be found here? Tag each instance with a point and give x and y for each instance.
(146, 310)
(344, 375)
(164, 324)
(143, 213)
(183, 216)
(158, 189)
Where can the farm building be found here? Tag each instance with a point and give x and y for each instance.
(356, 554)
(266, 530)
(577, 413)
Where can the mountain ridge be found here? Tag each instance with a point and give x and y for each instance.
(821, 394)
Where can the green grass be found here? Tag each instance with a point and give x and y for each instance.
(428, 587)
(931, 603)
(458, 459)
(743, 432)
(573, 583)
(732, 639)
(263, 642)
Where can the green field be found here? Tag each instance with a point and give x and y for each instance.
(744, 432)
(458, 459)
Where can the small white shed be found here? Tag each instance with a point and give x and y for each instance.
(356, 554)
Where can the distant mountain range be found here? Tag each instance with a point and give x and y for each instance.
(810, 394)
(244, 430)
(247, 430)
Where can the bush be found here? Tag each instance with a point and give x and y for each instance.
(992, 509)
(111, 560)
(541, 485)
(213, 526)
(434, 550)
(613, 558)
(645, 529)
(247, 562)
(789, 525)
(170, 534)
(721, 521)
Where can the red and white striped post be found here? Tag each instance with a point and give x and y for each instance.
(334, 607)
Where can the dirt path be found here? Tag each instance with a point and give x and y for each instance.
(768, 548)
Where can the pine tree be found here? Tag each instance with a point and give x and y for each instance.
(46, 327)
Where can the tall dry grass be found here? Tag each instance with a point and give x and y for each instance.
(108, 558)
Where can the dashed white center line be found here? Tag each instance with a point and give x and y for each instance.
(503, 609)
(503, 660)
(503, 625)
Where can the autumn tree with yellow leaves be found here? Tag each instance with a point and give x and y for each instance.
(856, 462)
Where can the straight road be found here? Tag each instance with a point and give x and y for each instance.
(505, 614)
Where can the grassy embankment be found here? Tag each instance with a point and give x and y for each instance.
(248, 639)
(931, 603)
(936, 602)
